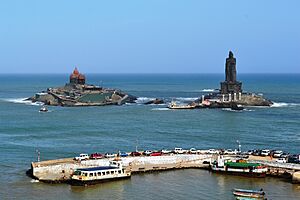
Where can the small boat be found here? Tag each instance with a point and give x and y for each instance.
(174, 105)
(239, 167)
(248, 194)
(94, 175)
(235, 106)
(43, 109)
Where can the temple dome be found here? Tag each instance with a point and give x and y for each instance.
(76, 77)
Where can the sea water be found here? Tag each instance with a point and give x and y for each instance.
(68, 131)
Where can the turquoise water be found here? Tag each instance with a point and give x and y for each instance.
(66, 132)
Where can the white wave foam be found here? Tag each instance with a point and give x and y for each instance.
(160, 109)
(249, 110)
(34, 181)
(186, 98)
(142, 100)
(283, 104)
(23, 101)
(230, 110)
(208, 90)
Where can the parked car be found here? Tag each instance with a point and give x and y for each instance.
(147, 152)
(277, 154)
(230, 151)
(212, 151)
(256, 152)
(193, 151)
(96, 156)
(156, 154)
(265, 152)
(293, 159)
(280, 160)
(284, 155)
(165, 151)
(250, 152)
(109, 155)
(179, 151)
(82, 156)
(135, 153)
(201, 151)
(123, 154)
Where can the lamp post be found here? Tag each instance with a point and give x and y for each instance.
(136, 146)
(38, 155)
(239, 146)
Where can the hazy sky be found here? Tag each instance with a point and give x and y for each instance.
(153, 36)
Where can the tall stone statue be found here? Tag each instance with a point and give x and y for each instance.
(230, 85)
(230, 70)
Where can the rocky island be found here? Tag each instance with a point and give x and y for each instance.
(78, 93)
(231, 93)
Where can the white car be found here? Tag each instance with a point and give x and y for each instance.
(193, 151)
(109, 155)
(277, 154)
(179, 150)
(82, 156)
(230, 151)
(212, 151)
(280, 160)
(265, 152)
(165, 151)
(147, 152)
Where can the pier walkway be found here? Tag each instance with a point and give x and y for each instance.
(60, 170)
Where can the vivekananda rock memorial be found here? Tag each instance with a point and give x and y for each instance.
(78, 93)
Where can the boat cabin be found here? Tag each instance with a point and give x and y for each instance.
(96, 174)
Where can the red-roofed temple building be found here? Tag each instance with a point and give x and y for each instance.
(77, 78)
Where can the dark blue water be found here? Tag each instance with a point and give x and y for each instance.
(66, 132)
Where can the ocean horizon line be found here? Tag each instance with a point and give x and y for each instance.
(162, 73)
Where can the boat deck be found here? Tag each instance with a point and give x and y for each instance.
(98, 168)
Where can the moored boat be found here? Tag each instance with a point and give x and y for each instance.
(174, 105)
(43, 109)
(248, 194)
(94, 175)
(235, 106)
(239, 167)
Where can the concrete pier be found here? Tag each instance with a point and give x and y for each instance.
(62, 169)
(55, 171)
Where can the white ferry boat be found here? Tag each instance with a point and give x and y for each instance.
(89, 176)
(174, 105)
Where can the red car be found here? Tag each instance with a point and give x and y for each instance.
(156, 154)
(135, 153)
(96, 156)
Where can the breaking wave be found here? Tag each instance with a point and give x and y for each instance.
(160, 109)
(208, 90)
(230, 110)
(23, 101)
(244, 110)
(185, 98)
(282, 104)
(142, 100)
